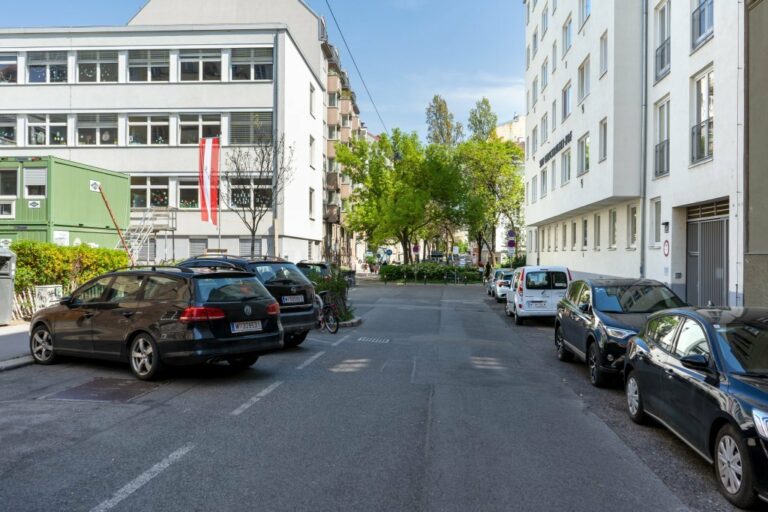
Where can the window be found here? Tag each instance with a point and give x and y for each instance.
(573, 236)
(535, 44)
(554, 6)
(312, 100)
(542, 237)
(535, 144)
(151, 130)
(154, 189)
(565, 167)
(7, 209)
(35, 183)
(8, 183)
(311, 151)
(46, 67)
(544, 73)
(567, 35)
(534, 189)
(583, 155)
(603, 139)
(597, 232)
(554, 115)
(566, 102)
(333, 99)
(193, 127)
(554, 56)
(245, 247)
(663, 46)
(612, 229)
(528, 13)
(656, 222)
(549, 239)
(553, 174)
(544, 20)
(692, 340)
(189, 193)
(148, 66)
(250, 192)
(662, 331)
(200, 65)
(535, 93)
(585, 8)
(564, 235)
(91, 292)
(333, 133)
(543, 183)
(124, 289)
(47, 130)
(604, 54)
(584, 79)
(97, 129)
(346, 121)
(632, 226)
(311, 203)
(527, 56)
(701, 23)
(160, 288)
(584, 234)
(544, 128)
(251, 128)
(661, 156)
(703, 127)
(8, 130)
(96, 66)
(8, 68)
(252, 64)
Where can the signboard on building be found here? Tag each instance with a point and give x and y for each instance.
(94, 186)
(49, 295)
(61, 238)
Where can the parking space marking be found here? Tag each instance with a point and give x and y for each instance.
(310, 360)
(318, 340)
(337, 343)
(137, 483)
(240, 410)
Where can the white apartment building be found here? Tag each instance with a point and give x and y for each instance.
(627, 172)
(138, 98)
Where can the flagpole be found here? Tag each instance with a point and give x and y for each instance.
(218, 203)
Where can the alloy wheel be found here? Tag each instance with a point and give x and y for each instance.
(142, 356)
(593, 363)
(729, 464)
(42, 345)
(633, 396)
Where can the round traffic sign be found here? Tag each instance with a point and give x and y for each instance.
(666, 248)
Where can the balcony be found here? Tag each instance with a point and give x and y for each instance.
(331, 149)
(702, 23)
(334, 118)
(702, 139)
(355, 123)
(661, 159)
(334, 83)
(663, 58)
(332, 181)
(346, 134)
(332, 214)
(346, 106)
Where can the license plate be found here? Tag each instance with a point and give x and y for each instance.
(293, 299)
(246, 326)
(537, 305)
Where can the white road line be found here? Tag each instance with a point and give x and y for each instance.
(309, 361)
(264, 392)
(317, 340)
(143, 479)
(337, 343)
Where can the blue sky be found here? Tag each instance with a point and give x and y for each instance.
(407, 50)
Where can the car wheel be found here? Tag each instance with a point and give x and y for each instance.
(563, 354)
(733, 469)
(294, 340)
(331, 322)
(506, 309)
(634, 400)
(500, 299)
(145, 357)
(597, 376)
(242, 362)
(41, 346)
(518, 318)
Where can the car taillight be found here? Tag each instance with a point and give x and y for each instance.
(520, 286)
(201, 314)
(273, 309)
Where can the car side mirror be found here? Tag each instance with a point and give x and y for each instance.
(585, 308)
(66, 301)
(696, 362)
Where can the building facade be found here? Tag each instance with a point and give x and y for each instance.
(628, 173)
(138, 98)
(513, 130)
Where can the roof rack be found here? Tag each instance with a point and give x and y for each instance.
(152, 268)
(216, 257)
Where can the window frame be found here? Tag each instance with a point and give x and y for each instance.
(25, 186)
(613, 222)
(148, 187)
(603, 140)
(47, 125)
(255, 133)
(584, 83)
(604, 54)
(201, 123)
(101, 57)
(10, 61)
(9, 121)
(149, 122)
(632, 213)
(98, 125)
(49, 62)
(185, 183)
(149, 61)
(254, 60)
(597, 226)
(201, 57)
(565, 100)
(565, 170)
(567, 35)
(584, 163)
(656, 231)
(16, 183)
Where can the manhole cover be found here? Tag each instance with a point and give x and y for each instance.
(373, 340)
(106, 390)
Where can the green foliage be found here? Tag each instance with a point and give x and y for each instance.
(517, 261)
(482, 120)
(338, 288)
(442, 129)
(45, 264)
(432, 271)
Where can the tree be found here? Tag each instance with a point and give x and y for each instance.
(482, 120)
(254, 180)
(442, 129)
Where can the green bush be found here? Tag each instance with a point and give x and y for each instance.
(432, 272)
(44, 264)
(338, 287)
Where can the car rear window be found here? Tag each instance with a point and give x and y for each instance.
(546, 280)
(213, 288)
(271, 273)
(635, 298)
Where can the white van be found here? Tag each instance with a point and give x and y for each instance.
(536, 292)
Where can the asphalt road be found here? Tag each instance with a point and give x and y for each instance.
(436, 403)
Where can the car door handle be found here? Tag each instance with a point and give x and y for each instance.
(87, 315)
(128, 314)
(670, 373)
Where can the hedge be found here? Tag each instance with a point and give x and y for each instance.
(45, 264)
(432, 272)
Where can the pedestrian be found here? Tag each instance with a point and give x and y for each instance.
(487, 270)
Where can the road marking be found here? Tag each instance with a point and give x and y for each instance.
(337, 343)
(309, 361)
(143, 479)
(317, 340)
(240, 410)
(373, 340)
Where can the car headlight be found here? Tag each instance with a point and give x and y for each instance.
(619, 333)
(761, 422)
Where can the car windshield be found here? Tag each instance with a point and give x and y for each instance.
(310, 268)
(271, 273)
(635, 298)
(546, 280)
(212, 288)
(744, 347)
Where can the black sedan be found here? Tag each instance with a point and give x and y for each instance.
(704, 375)
(156, 317)
(597, 317)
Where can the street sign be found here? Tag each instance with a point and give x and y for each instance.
(511, 233)
(388, 252)
(455, 249)
(34, 205)
(511, 244)
(416, 248)
(94, 186)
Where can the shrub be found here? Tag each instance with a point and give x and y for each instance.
(45, 264)
(432, 272)
(337, 285)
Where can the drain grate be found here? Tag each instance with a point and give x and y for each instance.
(365, 339)
(105, 390)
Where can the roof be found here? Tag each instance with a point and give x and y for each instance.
(622, 282)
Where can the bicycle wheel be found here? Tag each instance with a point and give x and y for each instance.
(331, 321)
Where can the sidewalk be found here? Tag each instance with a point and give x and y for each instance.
(14, 346)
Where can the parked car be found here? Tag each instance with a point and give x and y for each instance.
(502, 286)
(153, 318)
(287, 284)
(597, 317)
(490, 286)
(317, 267)
(536, 291)
(703, 374)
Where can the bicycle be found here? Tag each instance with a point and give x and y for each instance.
(328, 317)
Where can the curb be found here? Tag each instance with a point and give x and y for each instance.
(18, 362)
(14, 329)
(351, 323)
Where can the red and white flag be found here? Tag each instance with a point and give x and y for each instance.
(209, 180)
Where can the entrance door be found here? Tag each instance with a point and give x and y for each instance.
(707, 256)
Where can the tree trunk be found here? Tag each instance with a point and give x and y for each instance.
(480, 249)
